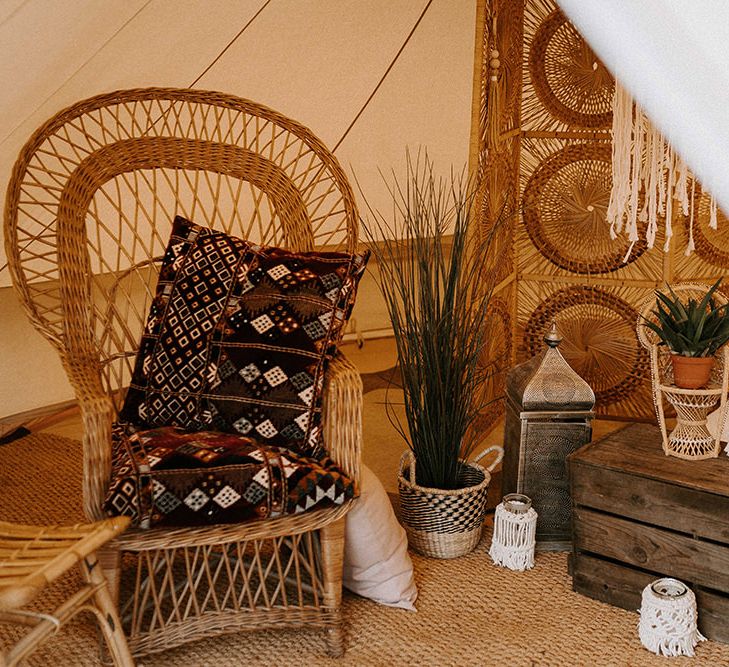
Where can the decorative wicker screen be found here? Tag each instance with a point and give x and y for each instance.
(498, 172)
(544, 142)
(497, 355)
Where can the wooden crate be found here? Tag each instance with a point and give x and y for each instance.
(639, 514)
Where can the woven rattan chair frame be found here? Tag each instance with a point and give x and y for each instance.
(32, 557)
(88, 212)
(690, 438)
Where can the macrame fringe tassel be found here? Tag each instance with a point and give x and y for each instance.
(672, 646)
(670, 183)
(622, 151)
(514, 539)
(644, 165)
(691, 246)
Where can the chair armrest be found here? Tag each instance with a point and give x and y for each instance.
(342, 415)
(97, 414)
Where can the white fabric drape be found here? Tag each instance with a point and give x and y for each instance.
(673, 57)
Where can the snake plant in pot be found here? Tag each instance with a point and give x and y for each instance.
(693, 330)
(437, 281)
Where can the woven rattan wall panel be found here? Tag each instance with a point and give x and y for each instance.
(498, 354)
(503, 33)
(568, 267)
(565, 189)
(500, 207)
(544, 146)
(498, 171)
(564, 85)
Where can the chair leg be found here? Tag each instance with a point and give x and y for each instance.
(108, 616)
(110, 560)
(332, 551)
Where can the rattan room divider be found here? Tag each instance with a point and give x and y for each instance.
(89, 209)
(541, 144)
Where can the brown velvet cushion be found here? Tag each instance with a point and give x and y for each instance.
(167, 477)
(238, 338)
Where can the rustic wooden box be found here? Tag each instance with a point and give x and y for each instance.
(639, 514)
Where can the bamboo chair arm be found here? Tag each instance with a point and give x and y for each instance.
(97, 414)
(342, 415)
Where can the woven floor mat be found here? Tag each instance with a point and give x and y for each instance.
(469, 611)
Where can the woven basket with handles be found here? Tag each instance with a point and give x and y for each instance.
(445, 523)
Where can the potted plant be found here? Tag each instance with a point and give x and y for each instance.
(437, 281)
(693, 330)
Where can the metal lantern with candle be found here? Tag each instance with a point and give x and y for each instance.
(549, 411)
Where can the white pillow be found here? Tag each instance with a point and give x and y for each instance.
(376, 560)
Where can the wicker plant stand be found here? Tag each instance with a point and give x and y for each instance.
(690, 438)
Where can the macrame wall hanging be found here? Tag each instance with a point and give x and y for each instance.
(647, 176)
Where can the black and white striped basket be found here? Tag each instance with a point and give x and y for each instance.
(445, 523)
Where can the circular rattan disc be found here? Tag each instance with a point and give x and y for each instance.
(564, 207)
(712, 245)
(599, 339)
(570, 81)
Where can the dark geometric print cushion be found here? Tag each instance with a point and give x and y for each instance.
(238, 337)
(167, 477)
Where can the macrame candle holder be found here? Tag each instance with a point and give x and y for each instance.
(668, 616)
(515, 530)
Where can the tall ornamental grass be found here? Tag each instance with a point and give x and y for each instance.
(437, 281)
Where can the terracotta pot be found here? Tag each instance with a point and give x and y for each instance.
(691, 372)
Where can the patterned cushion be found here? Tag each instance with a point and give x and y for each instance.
(167, 477)
(238, 337)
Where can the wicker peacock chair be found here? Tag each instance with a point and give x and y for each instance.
(88, 212)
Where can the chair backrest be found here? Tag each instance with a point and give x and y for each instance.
(93, 194)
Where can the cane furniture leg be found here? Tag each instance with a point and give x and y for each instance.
(32, 557)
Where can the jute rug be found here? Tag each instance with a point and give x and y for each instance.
(469, 611)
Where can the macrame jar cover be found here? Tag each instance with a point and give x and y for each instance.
(515, 530)
(668, 617)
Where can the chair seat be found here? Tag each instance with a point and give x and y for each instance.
(169, 477)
